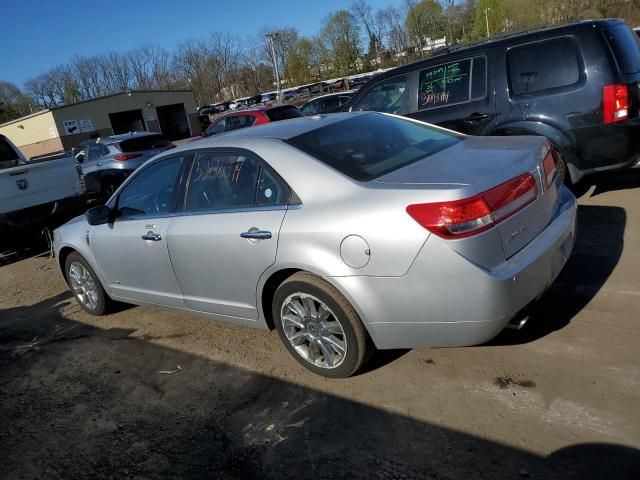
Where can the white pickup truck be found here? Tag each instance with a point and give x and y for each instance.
(31, 193)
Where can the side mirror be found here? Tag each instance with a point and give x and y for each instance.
(98, 215)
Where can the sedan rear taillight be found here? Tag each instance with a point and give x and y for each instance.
(615, 103)
(127, 156)
(470, 216)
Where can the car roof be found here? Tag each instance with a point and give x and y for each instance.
(334, 94)
(254, 109)
(282, 130)
(126, 136)
(488, 42)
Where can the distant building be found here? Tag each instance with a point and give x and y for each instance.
(172, 113)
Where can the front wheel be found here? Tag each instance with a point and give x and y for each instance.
(85, 285)
(319, 327)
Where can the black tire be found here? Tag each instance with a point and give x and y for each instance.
(358, 345)
(563, 171)
(103, 301)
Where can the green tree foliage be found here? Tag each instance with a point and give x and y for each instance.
(425, 19)
(340, 39)
(13, 103)
(495, 12)
(299, 62)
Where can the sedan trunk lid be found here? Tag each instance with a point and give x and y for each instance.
(486, 162)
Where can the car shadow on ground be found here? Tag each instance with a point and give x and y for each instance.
(22, 244)
(598, 248)
(19, 248)
(80, 402)
(608, 182)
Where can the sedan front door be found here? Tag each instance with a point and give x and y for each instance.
(227, 234)
(132, 251)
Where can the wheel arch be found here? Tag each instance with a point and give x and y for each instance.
(63, 254)
(560, 140)
(273, 279)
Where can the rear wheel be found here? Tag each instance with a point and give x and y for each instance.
(319, 327)
(85, 285)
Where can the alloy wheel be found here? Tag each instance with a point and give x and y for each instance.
(313, 330)
(83, 285)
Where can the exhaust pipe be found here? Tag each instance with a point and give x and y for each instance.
(517, 323)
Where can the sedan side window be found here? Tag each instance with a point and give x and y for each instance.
(215, 128)
(272, 190)
(221, 181)
(388, 96)
(310, 108)
(151, 192)
(239, 121)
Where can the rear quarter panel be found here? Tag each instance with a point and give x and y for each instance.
(333, 207)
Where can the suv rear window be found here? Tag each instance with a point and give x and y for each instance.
(626, 48)
(283, 113)
(369, 146)
(543, 66)
(152, 142)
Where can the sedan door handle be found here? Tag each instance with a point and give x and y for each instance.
(152, 237)
(477, 117)
(256, 234)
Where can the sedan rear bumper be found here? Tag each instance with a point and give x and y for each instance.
(445, 300)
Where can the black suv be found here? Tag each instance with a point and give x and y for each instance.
(578, 85)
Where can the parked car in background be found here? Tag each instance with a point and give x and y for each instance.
(343, 232)
(268, 97)
(32, 193)
(107, 161)
(327, 103)
(249, 118)
(576, 84)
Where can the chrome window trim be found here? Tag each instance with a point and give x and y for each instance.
(268, 208)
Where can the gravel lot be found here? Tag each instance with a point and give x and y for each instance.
(146, 393)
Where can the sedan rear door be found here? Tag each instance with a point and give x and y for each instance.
(227, 234)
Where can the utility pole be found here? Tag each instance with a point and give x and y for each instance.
(270, 37)
(486, 19)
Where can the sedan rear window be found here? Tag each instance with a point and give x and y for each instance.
(152, 142)
(284, 113)
(369, 146)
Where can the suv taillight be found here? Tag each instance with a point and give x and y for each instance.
(128, 156)
(615, 103)
(470, 216)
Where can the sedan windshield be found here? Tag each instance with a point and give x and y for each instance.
(366, 147)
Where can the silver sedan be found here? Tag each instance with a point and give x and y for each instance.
(346, 233)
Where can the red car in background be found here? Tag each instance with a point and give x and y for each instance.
(249, 118)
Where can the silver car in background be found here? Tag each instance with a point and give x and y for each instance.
(344, 232)
(108, 161)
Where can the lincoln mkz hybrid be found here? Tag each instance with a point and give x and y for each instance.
(346, 233)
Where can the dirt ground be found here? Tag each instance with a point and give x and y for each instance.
(146, 393)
